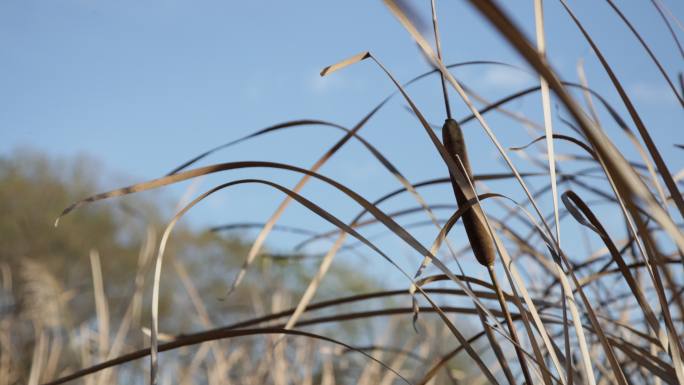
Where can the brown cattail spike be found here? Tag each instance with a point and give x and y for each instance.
(473, 218)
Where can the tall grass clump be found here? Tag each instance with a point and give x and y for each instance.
(569, 295)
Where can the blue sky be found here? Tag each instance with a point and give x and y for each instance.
(145, 85)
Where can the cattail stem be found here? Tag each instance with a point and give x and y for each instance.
(438, 45)
(511, 326)
(496, 348)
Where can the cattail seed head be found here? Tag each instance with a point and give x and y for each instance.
(473, 218)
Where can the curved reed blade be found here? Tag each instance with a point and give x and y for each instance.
(639, 188)
(585, 216)
(445, 359)
(398, 230)
(345, 63)
(659, 8)
(642, 152)
(265, 231)
(628, 182)
(347, 229)
(263, 131)
(438, 46)
(438, 145)
(461, 179)
(211, 335)
(368, 206)
(358, 223)
(612, 333)
(428, 51)
(661, 216)
(418, 37)
(566, 138)
(426, 48)
(616, 164)
(308, 122)
(648, 50)
(258, 225)
(664, 13)
(546, 107)
(481, 177)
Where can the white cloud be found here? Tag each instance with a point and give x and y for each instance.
(503, 77)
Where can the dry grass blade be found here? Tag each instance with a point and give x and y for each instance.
(658, 7)
(201, 337)
(345, 63)
(418, 37)
(628, 132)
(616, 159)
(422, 43)
(39, 351)
(384, 218)
(485, 294)
(358, 223)
(524, 323)
(292, 124)
(203, 314)
(627, 180)
(587, 96)
(546, 107)
(263, 234)
(504, 308)
(426, 48)
(395, 193)
(647, 49)
(445, 359)
(460, 179)
(615, 162)
(316, 281)
(480, 241)
(438, 145)
(409, 353)
(131, 316)
(101, 308)
(567, 138)
(580, 211)
(438, 45)
(660, 215)
(273, 128)
(335, 221)
(259, 225)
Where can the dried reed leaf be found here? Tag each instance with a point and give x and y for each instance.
(647, 49)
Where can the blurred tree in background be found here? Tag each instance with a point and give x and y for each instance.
(55, 319)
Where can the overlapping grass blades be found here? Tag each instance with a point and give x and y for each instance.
(572, 334)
